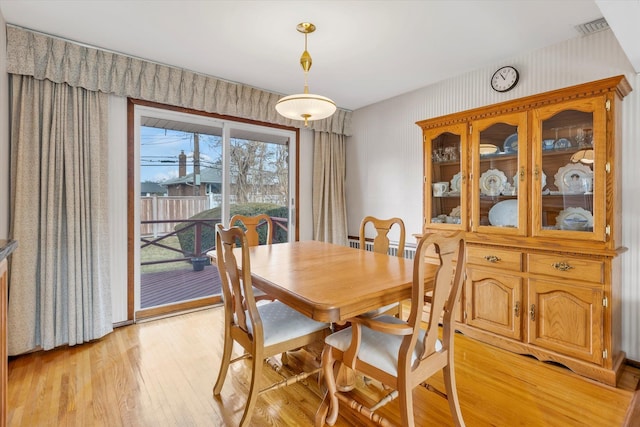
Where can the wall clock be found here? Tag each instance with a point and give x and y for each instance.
(504, 79)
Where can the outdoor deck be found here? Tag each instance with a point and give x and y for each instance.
(178, 285)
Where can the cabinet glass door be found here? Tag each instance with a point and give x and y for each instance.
(570, 152)
(445, 177)
(499, 179)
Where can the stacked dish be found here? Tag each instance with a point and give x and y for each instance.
(575, 219)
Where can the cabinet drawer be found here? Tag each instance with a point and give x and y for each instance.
(566, 267)
(499, 258)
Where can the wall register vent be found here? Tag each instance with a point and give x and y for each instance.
(592, 27)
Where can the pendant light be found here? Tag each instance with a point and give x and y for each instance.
(305, 106)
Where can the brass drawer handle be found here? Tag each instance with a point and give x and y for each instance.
(561, 266)
(492, 258)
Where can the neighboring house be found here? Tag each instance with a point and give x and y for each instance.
(149, 188)
(210, 182)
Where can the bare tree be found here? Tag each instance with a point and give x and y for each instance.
(281, 168)
(258, 170)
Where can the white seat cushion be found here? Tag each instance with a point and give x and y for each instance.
(258, 293)
(377, 348)
(281, 323)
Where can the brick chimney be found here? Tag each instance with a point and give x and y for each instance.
(182, 164)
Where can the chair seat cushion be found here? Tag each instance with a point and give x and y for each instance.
(282, 323)
(258, 293)
(377, 348)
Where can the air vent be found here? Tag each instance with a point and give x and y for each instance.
(592, 27)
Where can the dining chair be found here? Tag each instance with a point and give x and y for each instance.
(401, 354)
(264, 330)
(250, 225)
(381, 244)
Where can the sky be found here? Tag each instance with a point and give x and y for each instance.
(160, 148)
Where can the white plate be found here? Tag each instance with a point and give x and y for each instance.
(574, 178)
(504, 214)
(576, 219)
(455, 183)
(544, 180)
(511, 143)
(492, 182)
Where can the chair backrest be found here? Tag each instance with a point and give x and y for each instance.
(381, 240)
(251, 224)
(236, 283)
(449, 252)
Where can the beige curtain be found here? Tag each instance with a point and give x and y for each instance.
(329, 199)
(59, 291)
(61, 61)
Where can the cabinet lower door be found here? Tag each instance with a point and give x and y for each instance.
(566, 318)
(493, 302)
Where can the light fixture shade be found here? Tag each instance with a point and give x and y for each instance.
(305, 106)
(583, 156)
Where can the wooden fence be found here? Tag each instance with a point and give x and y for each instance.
(163, 208)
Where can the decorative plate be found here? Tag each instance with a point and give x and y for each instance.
(492, 182)
(574, 178)
(511, 143)
(544, 180)
(455, 183)
(562, 143)
(504, 214)
(488, 149)
(576, 219)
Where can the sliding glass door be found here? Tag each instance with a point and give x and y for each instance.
(192, 172)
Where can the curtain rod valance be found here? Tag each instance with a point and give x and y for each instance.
(61, 61)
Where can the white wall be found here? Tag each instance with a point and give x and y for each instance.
(4, 134)
(631, 222)
(384, 157)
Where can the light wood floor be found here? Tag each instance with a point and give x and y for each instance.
(161, 373)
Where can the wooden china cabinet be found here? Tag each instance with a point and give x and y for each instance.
(535, 183)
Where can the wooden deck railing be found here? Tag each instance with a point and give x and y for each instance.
(198, 226)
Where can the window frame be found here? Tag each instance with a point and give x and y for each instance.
(134, 107)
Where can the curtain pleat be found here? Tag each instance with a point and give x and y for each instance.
(329, 197)
(59, 285)
(43, 57)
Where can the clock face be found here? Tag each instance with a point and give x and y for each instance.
(504, 79)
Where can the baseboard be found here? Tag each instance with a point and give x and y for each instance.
(633, 363)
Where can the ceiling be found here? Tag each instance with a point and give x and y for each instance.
(363, 51)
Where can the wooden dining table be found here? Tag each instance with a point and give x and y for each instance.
(330, 282)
